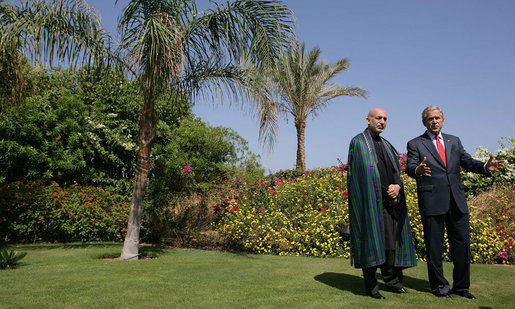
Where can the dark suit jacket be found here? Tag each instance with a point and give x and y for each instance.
(435, 192)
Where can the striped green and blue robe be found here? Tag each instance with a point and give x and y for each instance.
(366, 209)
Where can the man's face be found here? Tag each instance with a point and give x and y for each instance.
(376, 121)
(434, 122)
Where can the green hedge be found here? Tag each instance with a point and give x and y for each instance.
(31, 212)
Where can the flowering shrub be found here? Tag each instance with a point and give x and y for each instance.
(475, 183)
(495, 209)
(308, 214)
(304, 216)
(30, 212)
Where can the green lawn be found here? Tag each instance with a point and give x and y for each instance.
(73, 276)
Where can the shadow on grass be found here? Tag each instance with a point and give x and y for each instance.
(82, 245)
(356, 285)
(344, 282)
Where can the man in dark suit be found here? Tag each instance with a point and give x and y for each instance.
(434, 160)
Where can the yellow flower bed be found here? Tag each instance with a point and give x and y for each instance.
(308, 216)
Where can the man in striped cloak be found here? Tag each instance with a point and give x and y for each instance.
(379, 224)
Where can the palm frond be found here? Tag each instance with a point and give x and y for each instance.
(66, 29)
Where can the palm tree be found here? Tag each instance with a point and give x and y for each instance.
(168, 46)
(299, 84)
(173, 48)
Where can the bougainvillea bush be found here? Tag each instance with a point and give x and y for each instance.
(31, 212)
(308, 215)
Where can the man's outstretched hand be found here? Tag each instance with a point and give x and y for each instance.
(494, 165)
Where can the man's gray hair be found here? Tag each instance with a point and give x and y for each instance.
(428, 109)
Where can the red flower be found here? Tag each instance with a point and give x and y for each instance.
(500, 228)
(234, 208)
(323, 211)
(260, 209)
(345, 193)
(186, 169)
(304, 196)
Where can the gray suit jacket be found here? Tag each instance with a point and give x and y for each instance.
(435, 192)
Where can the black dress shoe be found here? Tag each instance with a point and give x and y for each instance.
(465, 294)
(377, 296)
(445, 295)
(398, 291)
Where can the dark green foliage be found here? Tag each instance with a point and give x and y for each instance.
(10, 259)
(78, 129)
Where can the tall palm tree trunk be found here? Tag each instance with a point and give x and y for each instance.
(146, 136)
(301, 154)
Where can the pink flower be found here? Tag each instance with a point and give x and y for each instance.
(323, 211)
(340, 188)
(273, 192)
(513, 187)
(345, 194)
(304, 196)
(276, 181)
(260, 209)
(186, 169)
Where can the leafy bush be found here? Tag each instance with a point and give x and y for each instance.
(10, 259)
(77, 128)
(307, 215)
(191, 166)
(31, 212)
(475, 183)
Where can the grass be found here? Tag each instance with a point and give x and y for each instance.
(73, 276)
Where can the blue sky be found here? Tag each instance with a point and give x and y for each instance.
(456, 54)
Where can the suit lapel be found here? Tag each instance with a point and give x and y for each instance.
(428, 143)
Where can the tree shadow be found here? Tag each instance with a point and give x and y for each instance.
(356, 285)
(73, 245)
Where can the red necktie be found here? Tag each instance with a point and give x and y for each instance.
(441, 151)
